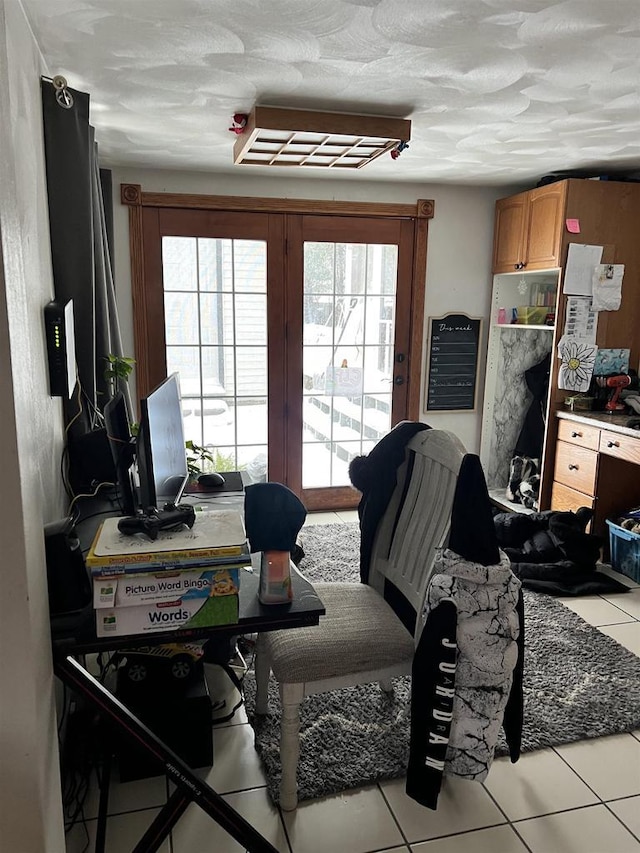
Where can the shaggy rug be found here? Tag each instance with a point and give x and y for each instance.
(578, 683)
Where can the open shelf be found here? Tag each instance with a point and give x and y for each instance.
(499, 499)
(522, 326)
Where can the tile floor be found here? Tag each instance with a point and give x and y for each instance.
(578, 798)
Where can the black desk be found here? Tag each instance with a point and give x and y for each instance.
(305, 609)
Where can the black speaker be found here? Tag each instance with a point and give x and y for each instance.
(181, 718)
(67, 577)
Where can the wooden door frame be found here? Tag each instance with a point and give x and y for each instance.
(415, 230)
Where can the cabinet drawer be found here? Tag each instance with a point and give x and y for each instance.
(564, 499)
(575, 467)
(575, 433)
(623, 446)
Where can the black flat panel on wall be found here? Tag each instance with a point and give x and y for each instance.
(452, 368)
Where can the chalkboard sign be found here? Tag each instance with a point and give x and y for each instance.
(452, 370)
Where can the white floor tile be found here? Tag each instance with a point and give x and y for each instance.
(590, 830)
(498, 839)
(352, 822)
(462, 805)
(627, 601)
(628, 635)
(539, 783)
(236, 765)
(609, 765)
(628, 811)
(596, 611)
(196, 832)
(123, 833)
(347, 515)
(314, 518)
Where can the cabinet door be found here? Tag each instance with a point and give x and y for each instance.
(508, 234)
(565, 499)
(543, 234)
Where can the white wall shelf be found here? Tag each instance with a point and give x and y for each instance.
(512, 349)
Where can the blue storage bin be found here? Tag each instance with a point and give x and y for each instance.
(625, 551)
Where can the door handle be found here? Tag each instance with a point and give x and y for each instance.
(399, 380)
(573, 467)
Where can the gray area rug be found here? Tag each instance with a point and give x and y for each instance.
(578, 684)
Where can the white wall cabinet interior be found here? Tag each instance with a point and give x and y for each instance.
(512, 350)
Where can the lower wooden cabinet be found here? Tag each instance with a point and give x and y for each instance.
(597, 468)
(576, 467)
(565, 499)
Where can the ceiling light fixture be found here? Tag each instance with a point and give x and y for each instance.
(276, 136)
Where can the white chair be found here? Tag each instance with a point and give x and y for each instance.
(361, 640)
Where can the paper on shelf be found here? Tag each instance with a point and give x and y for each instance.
(581, 321)
(212, 529)
(581, 260)
(607, 287)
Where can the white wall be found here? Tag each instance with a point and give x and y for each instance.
(30, 448)
(458, 259)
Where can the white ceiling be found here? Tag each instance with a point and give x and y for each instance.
(498, 91)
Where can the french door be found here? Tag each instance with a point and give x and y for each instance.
(296, 336)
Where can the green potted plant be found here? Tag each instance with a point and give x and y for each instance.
(118, 367)
(199, 459)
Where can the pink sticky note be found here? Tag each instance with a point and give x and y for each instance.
(573, 226)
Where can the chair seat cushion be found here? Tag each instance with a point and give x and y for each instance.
(359, 632)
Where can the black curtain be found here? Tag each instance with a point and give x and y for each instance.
(80, 250)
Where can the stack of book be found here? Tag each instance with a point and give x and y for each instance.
(188, 578)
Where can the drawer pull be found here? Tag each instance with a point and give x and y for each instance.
(573, 467)
(576, 435)
(613, 444)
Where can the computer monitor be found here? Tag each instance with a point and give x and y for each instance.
(123, 450)
(162, 458)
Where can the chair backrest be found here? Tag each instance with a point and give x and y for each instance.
(418, 517)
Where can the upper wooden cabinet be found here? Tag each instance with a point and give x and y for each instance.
(528, 229)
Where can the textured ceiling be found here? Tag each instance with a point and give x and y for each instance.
(498, 91)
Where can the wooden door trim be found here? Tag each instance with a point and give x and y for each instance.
(133, 195)
(276, 348)
(416, 333)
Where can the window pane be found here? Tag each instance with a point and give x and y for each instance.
(251, 319)
(179, 263)
(250, 266)
(186, 362)
(251, 371)
(349, 322)
(181, 318)
(217, 341)
(216, 318)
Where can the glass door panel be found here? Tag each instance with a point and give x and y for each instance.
(215, 309)
(348, 350)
